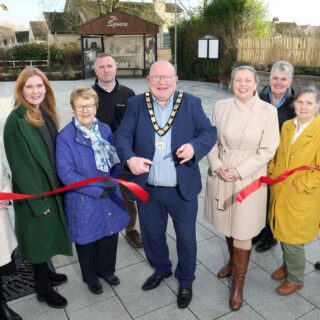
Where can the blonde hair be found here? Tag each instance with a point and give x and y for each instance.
(33, 114)
(84, 92)
(248, 68)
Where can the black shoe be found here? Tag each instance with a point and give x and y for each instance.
(317, 265)
(56, 278)
(6, 313)
(257, 238)
(51, 297)
(112, 279)
(184, 297)
(95, 287)
(266, 244)
(154, 281)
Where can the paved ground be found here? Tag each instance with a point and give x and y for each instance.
(129, 301)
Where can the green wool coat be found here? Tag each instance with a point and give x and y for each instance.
(40, 236)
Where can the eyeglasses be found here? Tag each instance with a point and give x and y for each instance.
(157, 78)
(88, 107)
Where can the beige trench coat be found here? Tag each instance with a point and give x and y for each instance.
(248, 137)
(8, 240)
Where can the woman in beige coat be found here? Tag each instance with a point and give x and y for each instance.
(248, 136)
(295, 203)
(8, 240)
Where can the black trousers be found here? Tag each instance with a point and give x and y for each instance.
(267, 235)
(98, 258)
(1, 291)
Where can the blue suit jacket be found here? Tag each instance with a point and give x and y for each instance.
(136, 137)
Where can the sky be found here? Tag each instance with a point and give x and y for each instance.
(22, 11)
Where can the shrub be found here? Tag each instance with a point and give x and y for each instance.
(61, 54)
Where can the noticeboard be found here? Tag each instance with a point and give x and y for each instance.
(213, 49)
(203, 48)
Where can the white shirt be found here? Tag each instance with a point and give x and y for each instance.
(299, 129)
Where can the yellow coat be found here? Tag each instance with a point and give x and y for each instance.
(295, 203)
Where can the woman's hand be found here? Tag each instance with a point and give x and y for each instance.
(222, 173)
(234, 173)
(228, 174)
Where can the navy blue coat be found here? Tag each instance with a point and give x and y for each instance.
(136, 137)
(89, 218)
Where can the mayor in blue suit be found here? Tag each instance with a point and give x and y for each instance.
(162, 137)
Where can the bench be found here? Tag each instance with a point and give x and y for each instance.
(132, 69)
(18, 64)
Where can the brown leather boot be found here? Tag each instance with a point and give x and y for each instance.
(226, 270)
(240, 266)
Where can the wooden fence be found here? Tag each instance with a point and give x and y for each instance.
(265, 51)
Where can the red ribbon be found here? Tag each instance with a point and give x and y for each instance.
(133, 187)
(255, 185)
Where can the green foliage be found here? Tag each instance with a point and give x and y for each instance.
(3, 7)
(62, 55)
(236, 19)
(310, 71)
(227, 20)
(30, 51)
(56, 54)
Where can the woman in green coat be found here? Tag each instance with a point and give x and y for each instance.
(29, 138)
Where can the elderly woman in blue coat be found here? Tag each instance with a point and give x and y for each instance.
(95, 213)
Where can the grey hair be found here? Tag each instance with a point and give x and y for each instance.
(248, 68)
(309, 89)
(284, 67)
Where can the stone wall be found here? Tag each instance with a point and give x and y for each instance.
(299, 81)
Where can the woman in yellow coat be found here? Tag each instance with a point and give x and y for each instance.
(295, 202)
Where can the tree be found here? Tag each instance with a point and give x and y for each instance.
(3, 7)
(47, 6)
(107, 6)
(227, 20)
(236, 19)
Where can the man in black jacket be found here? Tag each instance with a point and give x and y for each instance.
(280, 94)
(112, 103)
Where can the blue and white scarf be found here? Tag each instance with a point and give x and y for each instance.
(105, 153)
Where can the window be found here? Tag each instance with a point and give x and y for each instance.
(166, 40)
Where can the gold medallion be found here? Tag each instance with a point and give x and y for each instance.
(160, 145)
(162, 131)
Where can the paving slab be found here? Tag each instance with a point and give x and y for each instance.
(109, 309)
(137, 301)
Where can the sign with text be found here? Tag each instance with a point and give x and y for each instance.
(113, 22)
(118, 23)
